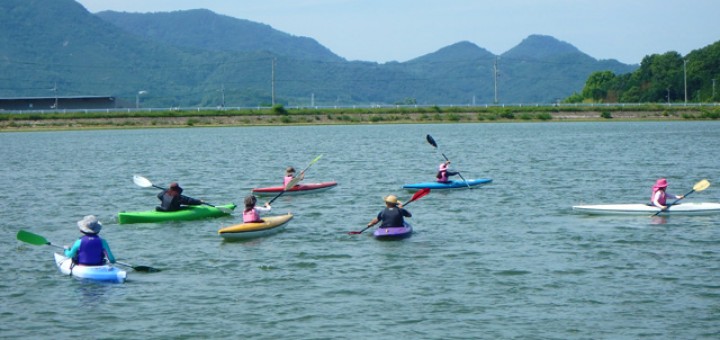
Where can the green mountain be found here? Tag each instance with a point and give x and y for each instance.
(205, 30)
(197, 58)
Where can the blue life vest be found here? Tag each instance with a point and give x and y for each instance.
(91, 252)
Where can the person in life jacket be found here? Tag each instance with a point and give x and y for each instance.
(90, 249)
(393, 215)
(290, 175)
(659, 196)
(444, 173)
(251, 214)
(173, 200)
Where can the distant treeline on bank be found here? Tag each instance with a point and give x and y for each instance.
(279, 115)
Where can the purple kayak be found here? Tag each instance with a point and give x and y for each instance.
(393, 233)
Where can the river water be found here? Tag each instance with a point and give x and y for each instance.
(507, 260)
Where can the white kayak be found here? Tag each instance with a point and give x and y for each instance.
(644, 209)
(104, 273)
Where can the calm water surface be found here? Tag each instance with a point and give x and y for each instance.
(507, 260)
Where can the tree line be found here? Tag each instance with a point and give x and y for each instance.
(661, 78)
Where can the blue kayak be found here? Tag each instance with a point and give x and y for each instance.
(102, 273)
(453, 184)
(393, 233)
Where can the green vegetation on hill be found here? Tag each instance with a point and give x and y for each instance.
(660, 78)
(179, 60)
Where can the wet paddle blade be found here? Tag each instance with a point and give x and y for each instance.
(292, 183)
(420, 193)
(142, 181)
(431, 140)
(31, 238)
(145, 269)
(702, 185)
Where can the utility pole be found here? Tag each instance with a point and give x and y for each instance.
(685, 78)
(273, 81)
(668, 96)
(312, 100)
(222, 93)
(495, 76)
(713, 97)
(54, 89)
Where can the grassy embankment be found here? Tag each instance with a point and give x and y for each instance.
(279, 115)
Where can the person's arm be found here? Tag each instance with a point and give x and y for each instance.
(73, 250)
(674, 197)
(264, 209)
(189, 201)
(375, 220)
(108, 253)
(405, 212)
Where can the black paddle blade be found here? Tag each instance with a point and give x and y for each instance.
(146, 269)
(431, 140)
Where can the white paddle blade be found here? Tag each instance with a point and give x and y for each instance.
(702, 185)
(292, 183)
(142, 181)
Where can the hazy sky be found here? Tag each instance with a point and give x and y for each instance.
(400, 30)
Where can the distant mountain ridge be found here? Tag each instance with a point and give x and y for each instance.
(203, 29)
(541, 47)
(198, 58)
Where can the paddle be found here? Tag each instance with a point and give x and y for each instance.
(699, 186)
(38, 240)
(432, 142)
(295, 180)
(145, 183)
(289, 186)
(420, 193)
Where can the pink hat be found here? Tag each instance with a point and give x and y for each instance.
(661, 183)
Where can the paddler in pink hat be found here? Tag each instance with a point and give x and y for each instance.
(659, 196)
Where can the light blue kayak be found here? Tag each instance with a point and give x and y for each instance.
(453, 184)
(103, 273)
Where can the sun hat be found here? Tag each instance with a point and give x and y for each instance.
(661, 183)
(392, 199)
(89, 225)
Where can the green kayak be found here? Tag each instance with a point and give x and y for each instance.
(194, 212)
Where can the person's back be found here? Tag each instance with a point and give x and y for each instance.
(90, 249)
(251, 214)
(393, 217)
(173, 200)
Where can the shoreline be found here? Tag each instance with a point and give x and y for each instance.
(29, 123)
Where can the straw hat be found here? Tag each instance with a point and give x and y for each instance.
(392, 199)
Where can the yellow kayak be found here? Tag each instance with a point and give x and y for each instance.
(269, 225)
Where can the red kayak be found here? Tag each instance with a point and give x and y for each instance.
(296, 190)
